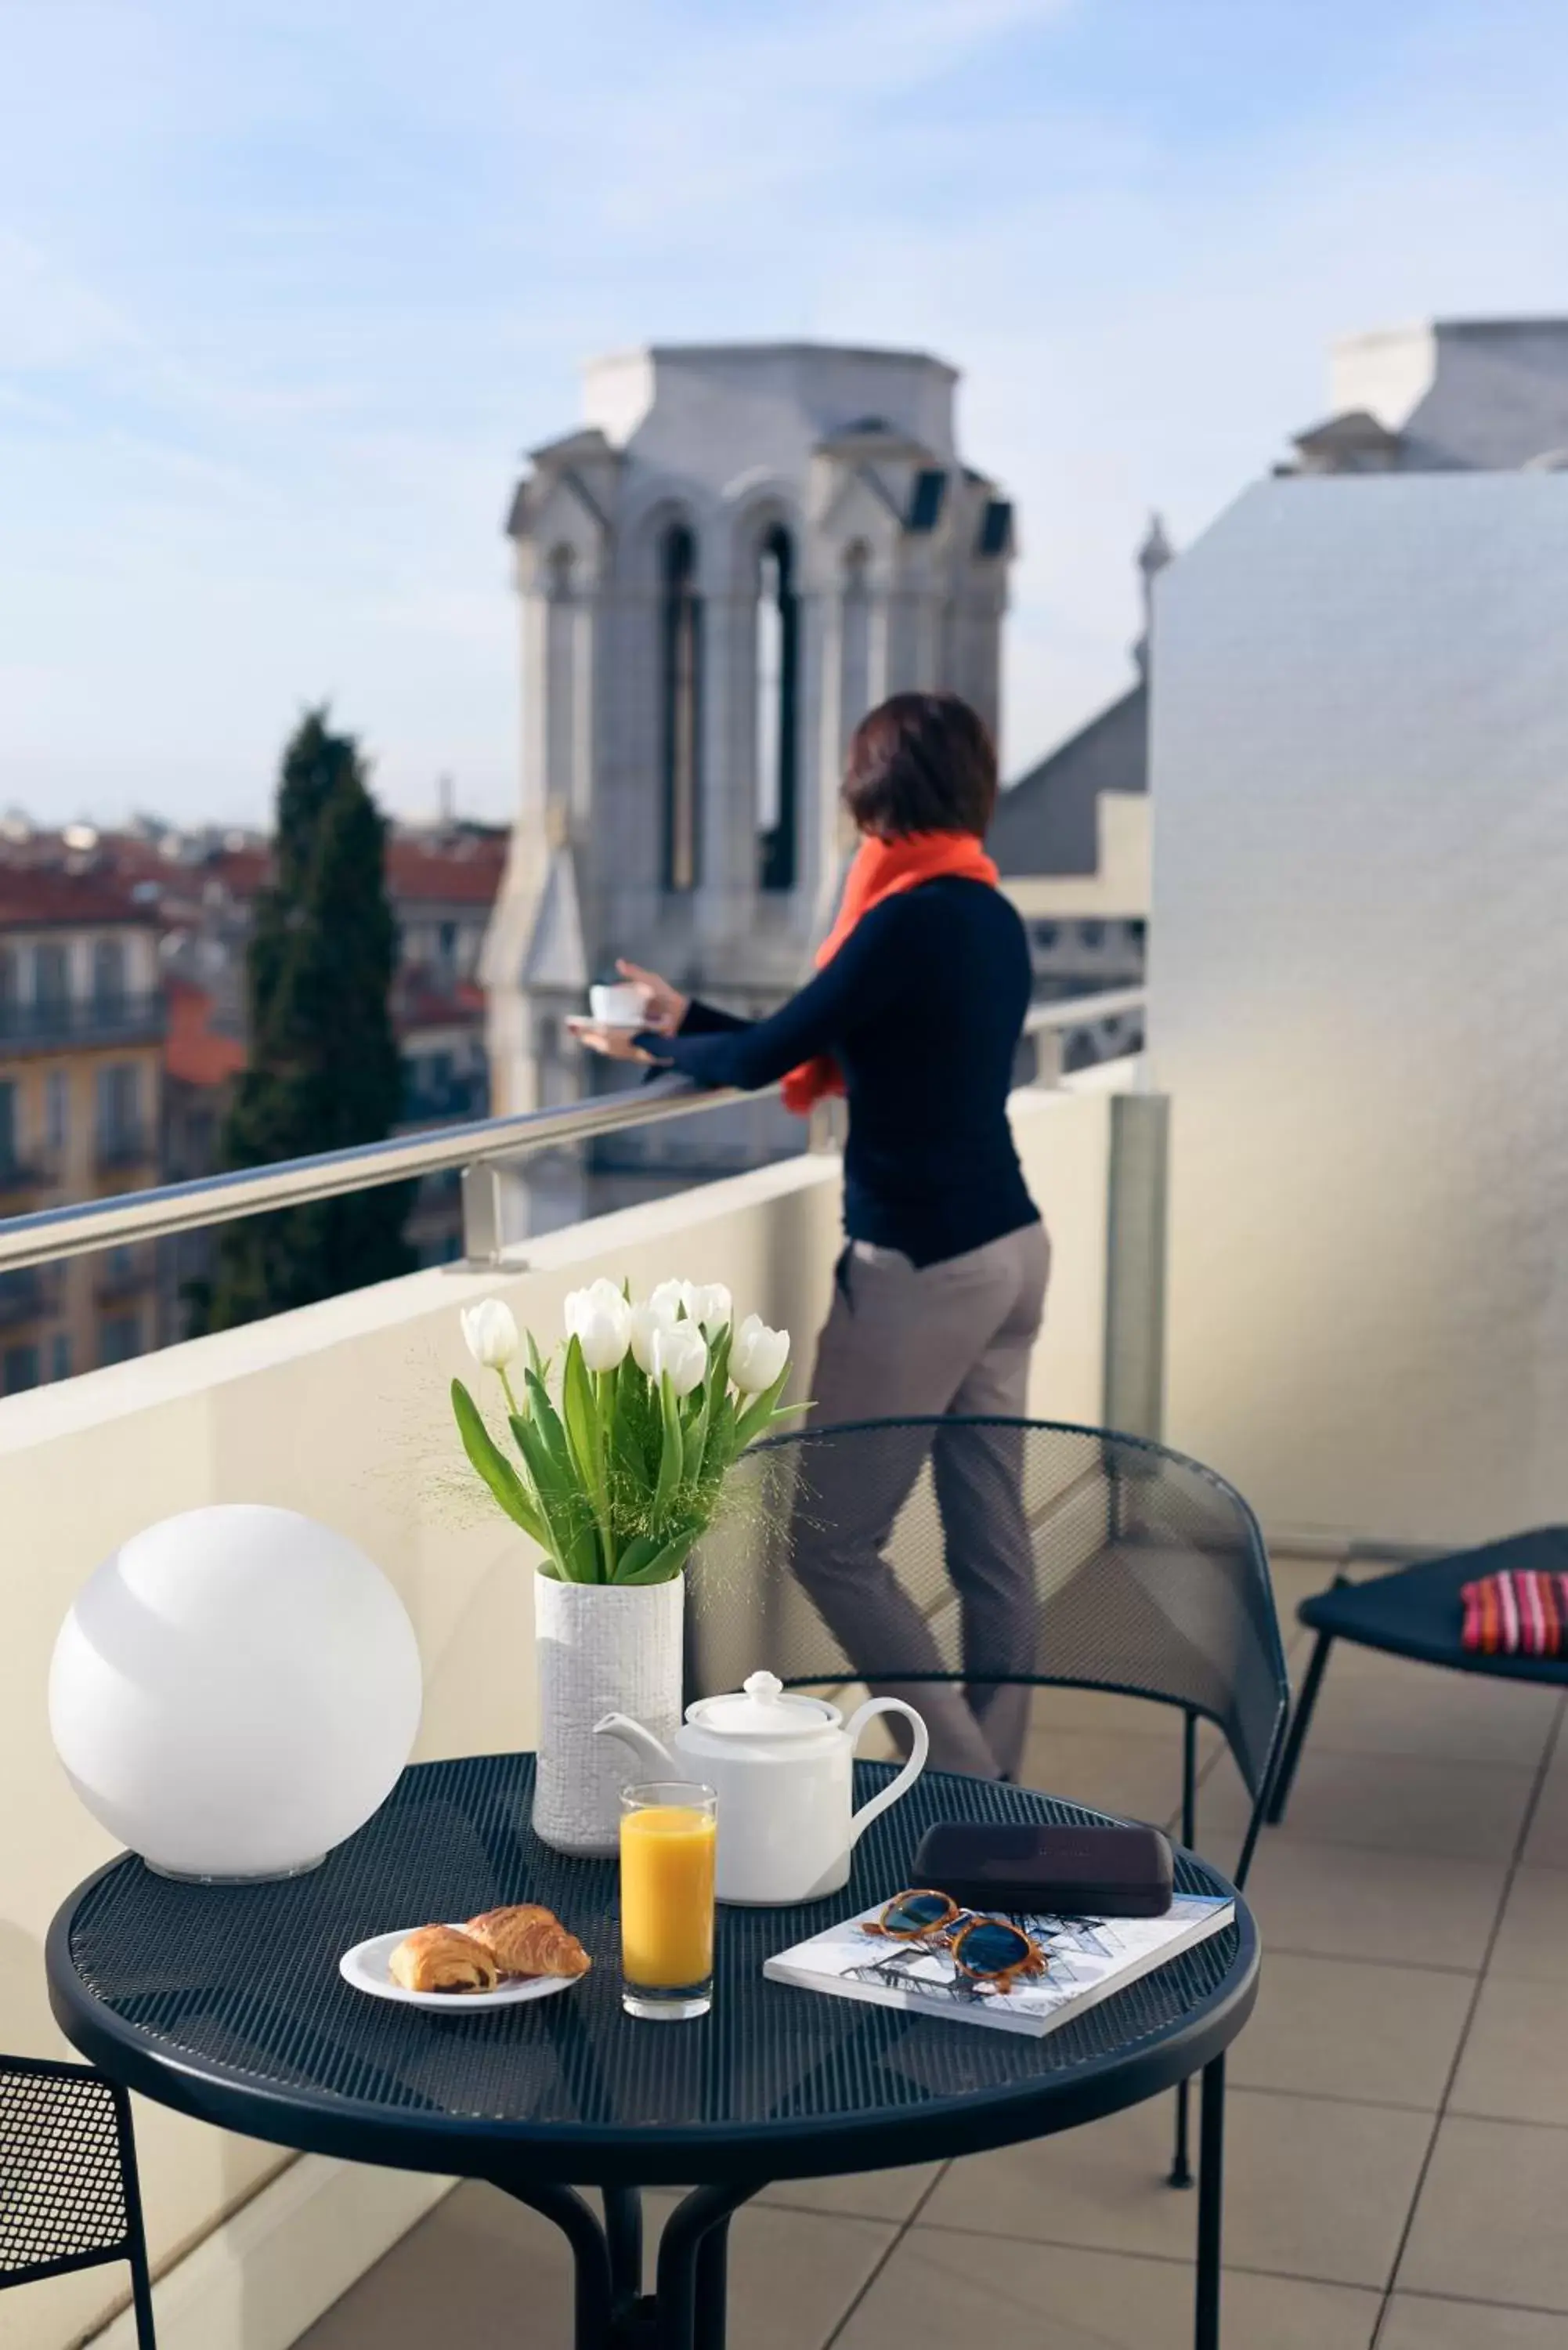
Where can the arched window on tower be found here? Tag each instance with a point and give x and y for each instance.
(682, 707)
(777, 698)
(560, 681)
(854, 641)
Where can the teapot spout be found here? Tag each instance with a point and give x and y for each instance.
(643, 1744)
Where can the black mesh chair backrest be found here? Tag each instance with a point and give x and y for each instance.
(1143, 1572)
(68, 2193)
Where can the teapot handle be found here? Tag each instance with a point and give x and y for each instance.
(907, 1776)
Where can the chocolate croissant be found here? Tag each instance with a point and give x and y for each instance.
(440, 1957)
(526, 1939)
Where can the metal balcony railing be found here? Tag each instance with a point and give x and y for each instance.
(479, 1149)
(57, 1026)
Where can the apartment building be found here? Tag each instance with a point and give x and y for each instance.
(442, 881)
(81, 1038)
(122, 1033)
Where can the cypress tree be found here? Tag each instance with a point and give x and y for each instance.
(324, 1070)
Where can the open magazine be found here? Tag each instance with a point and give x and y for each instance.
(1089, 1958)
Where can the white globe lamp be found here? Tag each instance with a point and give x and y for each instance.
(234, 1691)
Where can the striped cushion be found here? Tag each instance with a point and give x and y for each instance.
(1516, 1614)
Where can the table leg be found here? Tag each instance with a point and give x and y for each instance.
(693, 2267)
(590, 2255)
(712, 2287)
(1210, 2204)
(623, 2229)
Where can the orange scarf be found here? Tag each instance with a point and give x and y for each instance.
(883, 868)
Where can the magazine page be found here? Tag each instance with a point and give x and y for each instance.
(1087, 1958)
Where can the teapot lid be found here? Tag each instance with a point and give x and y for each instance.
(762, 1708)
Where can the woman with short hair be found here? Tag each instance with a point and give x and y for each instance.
(915, 1013)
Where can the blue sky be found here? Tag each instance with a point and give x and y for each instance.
(286, 285)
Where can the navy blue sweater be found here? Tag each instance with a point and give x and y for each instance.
(921, 1008)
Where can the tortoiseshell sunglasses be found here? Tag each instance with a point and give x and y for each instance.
(988, 1949)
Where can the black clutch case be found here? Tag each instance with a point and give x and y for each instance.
(1087, 1872)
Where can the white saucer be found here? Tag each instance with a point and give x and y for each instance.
(576, 1020)
(366, 1967)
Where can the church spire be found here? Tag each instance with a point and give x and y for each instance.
(1153, 556)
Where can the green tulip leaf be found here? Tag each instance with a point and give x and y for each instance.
(581, 1411)
(560, 1497)
(494, 1467)
(714, 1388)
(666, 1561)
(637, 1554)
(759, 1413)
(672, 1457)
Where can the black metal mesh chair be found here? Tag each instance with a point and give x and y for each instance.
(1032, 1552)
(1418, 1612)
(68, 2193)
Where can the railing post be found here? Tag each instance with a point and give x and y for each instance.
(481, 1214)
(1134, 1375)
(1048, 1061)
(827, 1124)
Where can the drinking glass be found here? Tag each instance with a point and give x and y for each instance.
(669, 1834)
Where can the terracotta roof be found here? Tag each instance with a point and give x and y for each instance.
(35, 896)
(244, 871)
(464, 869)
(420, 1003)
(193, 1051)
(467, 872)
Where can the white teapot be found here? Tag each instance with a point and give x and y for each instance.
(780, 1765)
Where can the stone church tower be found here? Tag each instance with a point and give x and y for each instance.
(743, 549)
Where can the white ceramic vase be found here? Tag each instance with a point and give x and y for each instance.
(602, 1648)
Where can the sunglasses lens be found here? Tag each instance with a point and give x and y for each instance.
(990, 1948)
(916, 1913)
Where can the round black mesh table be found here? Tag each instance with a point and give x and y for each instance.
(227, 2003)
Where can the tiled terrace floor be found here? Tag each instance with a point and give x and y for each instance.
(1398, 2170)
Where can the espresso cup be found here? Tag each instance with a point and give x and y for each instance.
(618, 1006)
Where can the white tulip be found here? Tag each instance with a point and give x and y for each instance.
(599, 1319)
(645, 1326)
(757, 1355)
(680, 1349)
(711, 1307)
(669, 1300)
(491, 1333)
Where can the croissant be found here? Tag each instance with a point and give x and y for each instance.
(526, 1939)
(440, 1957)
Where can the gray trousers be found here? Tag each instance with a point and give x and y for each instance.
(948, 1340)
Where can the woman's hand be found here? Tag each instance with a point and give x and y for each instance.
(663, 1007)
(615, 1044)
(663, 1010)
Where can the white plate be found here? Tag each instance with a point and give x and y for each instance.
(366, 1967)
(576, 1021)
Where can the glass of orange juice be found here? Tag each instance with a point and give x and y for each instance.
(669, 1834)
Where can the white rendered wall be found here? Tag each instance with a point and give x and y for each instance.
(1121, 884)
(1490, 392)
(1360, 999)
